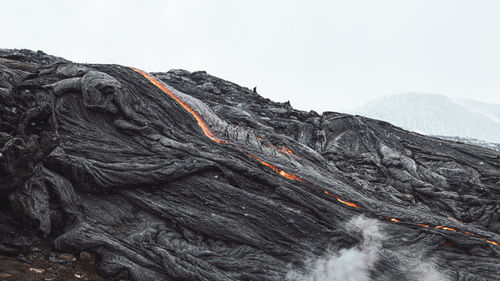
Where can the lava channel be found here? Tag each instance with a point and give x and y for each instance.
(199, 119)
(206, 130)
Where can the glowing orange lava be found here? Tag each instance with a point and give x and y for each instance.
(492, 242)
(454, 230)
(350, 204)
(285, 149)
(446, 228)
(290, 176)
(201, 122)
(211, 135)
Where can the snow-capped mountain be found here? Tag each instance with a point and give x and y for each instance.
(432, 114)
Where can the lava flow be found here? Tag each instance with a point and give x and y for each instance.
(491, 242)
(286, 150)
(350, 204)
(295, 177)
(446, 228)
(199, 119)
(449, 229)
(278, 170)
(206, 130)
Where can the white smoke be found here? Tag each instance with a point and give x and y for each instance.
(354, 264)
(349, 264)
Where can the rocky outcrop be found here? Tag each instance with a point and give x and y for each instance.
(184, 176)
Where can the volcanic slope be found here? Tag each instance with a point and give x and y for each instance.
(184, 176)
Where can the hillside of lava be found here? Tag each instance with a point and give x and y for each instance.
(184, 176)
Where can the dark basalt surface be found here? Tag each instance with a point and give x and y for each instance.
(97, 158)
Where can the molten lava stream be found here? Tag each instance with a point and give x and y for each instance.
(290, 176)
(350, 204)
(286, 150)
(446, 228)
(199, 119)
(206, 130)
(454, 230)
(491, 242)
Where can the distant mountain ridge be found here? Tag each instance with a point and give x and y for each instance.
(433, 114)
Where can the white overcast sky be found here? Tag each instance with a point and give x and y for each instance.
(321, 55)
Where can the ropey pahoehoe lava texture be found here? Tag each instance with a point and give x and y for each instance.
(185, 176)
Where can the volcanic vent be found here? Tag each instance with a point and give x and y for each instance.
(184, 176)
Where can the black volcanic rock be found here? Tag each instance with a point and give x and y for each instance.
(201, 179)
(490, 145)
(24, 55)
